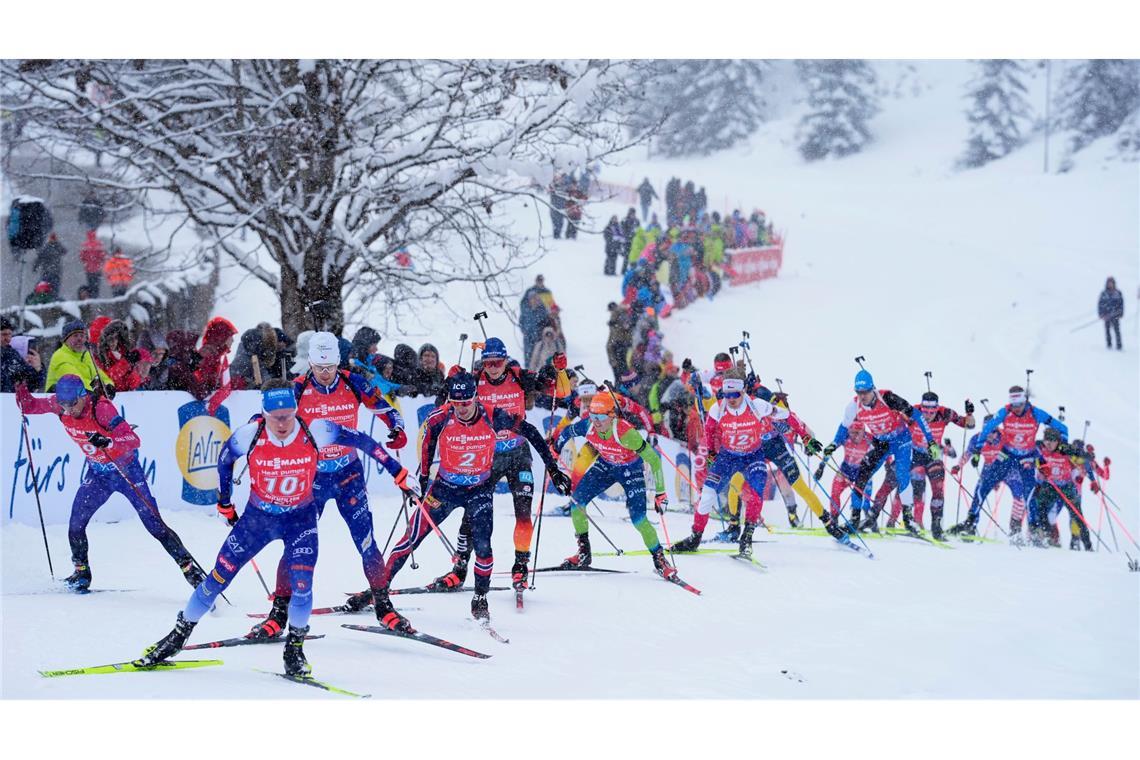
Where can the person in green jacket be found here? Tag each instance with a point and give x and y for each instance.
(73, 358)
(641, 238)
(622, 455)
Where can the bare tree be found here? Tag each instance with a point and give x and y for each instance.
(359, 178)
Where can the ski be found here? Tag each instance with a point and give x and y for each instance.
(915, 534)
(65, 590)
(676, 581)
(486, 626)
(129, 667)
(242, 641)
(750, 560)
(519, 599)
(426, 590)
(847, 542)
(417, 636)
(646, 552)
(587, 569)
(310, 681)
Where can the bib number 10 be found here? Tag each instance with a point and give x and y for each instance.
(286, 486)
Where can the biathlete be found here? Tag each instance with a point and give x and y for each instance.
(620, 453)
(326, 392)
(465, 432)
(283, 454)
(111, 448)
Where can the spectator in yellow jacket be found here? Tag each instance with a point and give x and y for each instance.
(73, 358)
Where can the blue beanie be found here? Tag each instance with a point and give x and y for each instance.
(461, 386)
(69, 388)
(864, 381)
(75, 325)
(495, 349)
(278, 398)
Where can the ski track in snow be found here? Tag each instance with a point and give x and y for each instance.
(892, 255)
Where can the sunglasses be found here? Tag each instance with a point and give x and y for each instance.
(70, 404)
(494, 362)
(599, 417)
(462, 402)
(731, 394)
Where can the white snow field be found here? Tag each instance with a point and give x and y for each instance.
(891, 254)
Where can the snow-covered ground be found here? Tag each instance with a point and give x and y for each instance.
(891, 254)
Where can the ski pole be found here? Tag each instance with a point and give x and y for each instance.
(1075, 510)
(462, 339)
(1111, 529)
(958, 507)
(407, 519)
(928, 374)
(744, 344)
(981, 505)
(424, 511)
(542, 495)
(610, 542)
(36, 489)
(831, 501)
(1118, 522)
(269, 594)
(1028, 372)
(479, 317)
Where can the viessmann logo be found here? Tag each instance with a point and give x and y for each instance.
(277, 462)
(463, 439)
(326, 410)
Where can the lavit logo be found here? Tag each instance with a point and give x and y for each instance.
(197, 448)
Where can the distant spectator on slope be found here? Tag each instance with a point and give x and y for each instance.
(406, 368)
(120, 271)
(91, 212)
(113, 354)
(672, 198)
(615, 244)
(365, 344)
(548, 345)
(259, 342)
(645, 194)
(1110, 308)
(574, 211)
(533, 317)
(559, 191)
(41, 294)
(93, 254)
(83, 293)
(48, 262)
(620, 339)
(629, 227)
(430, 372)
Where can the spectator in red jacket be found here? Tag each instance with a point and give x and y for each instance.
(113, 351)
(213, 372)
(93, 254)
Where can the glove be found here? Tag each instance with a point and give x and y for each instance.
(812, 446)
(227, 511)
(559, 361)
(651, 439)
(829, 449)
(819, 471)
(750, 380)
(424, 484)
(561, 482)
(406, 485)
(660, 501)
(397, 438)
(955, 470)
(1094, 486)
(974, 459)
(98, 440)
(935, 450)
(969, 406)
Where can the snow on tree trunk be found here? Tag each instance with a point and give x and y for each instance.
(999, 113)
(841, 100)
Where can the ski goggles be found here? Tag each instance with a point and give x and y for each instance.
(731, 394)
(494, 363)
(599, 418)
(462, 403)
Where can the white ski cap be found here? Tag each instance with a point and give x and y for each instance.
(587, 389)
(324, 349)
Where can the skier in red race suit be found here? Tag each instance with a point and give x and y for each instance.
(326, 392)
(111, 448)
(503, 384)
(283, 454)
(466, 433)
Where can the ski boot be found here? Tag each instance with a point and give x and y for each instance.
(746, 539)
(870, 523)
(582, 559)
(359, 600)
(852, 527)
(729, 535)
(454, 579)
(833, 529)
(1074, 544)
(563, 511)
(271, 627)
(968, 527)
(690, 544)
(936, 524)
(1054, 537)
(661, 565)
(909, 522)
(168, 646)
(793, 518)
(386, 614)
(80, 580)
(479, 609)
(891, 523)
(191, 572)
(295, 662)
(519, 571)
